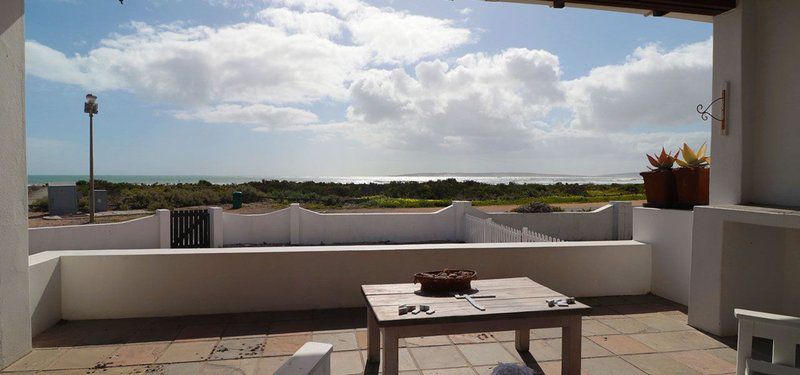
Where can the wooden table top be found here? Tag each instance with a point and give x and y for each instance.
(515, 298)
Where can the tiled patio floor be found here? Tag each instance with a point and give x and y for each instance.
(625, 335)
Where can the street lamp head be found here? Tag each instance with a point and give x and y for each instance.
(90, 106)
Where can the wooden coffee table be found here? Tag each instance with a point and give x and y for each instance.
(519, 305)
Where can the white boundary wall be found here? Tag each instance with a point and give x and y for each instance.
(610, 222)
(144, 233)
(669, 233)
(169, 282)
(299, 226)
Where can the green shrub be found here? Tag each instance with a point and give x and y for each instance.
(537, 207)
(39, 205)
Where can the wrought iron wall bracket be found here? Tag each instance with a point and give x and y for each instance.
(706, 111)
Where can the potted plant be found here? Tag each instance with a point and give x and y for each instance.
(659, 182)
(692, 178)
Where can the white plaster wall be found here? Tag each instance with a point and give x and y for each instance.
(271, 228)
(144, 283)
(776, 134)
(736, 265)
(669, 234)
(45, 291)
(15, 324)
(318, 229)
(597, 225)
(756, 50)
(143, 233)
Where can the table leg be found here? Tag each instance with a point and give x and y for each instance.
(373, 338)
(522, 339)
(571, 346)
(391, 353)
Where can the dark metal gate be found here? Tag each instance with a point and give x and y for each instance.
(190, 228)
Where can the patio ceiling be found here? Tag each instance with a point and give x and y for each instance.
(701, 10)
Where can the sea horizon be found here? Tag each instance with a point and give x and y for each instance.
(488, 178)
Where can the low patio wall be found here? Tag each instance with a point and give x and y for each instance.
(144, 233)
(669, 233)
(610, 222)
(149, 283)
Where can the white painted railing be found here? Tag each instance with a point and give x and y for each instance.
(487, 231)
(784, 331)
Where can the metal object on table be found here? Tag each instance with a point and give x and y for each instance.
(471, 300)
(560, 302)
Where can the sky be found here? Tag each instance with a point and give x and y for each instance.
(358, 87)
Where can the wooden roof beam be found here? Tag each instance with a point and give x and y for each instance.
(558, 4)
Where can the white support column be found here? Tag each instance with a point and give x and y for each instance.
(461, 219)
(294, 224)
(15, 317)
(164, 237)
(217, 226)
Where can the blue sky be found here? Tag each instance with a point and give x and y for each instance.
(357, 87)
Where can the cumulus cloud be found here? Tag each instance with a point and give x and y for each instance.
(652, 87)
(289, 54)
(515, 102)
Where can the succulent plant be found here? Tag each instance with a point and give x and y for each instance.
(690, 159)
(663, 161)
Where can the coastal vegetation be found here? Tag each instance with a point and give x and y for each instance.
(129, 196)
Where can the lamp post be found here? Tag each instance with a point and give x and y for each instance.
(90, 107)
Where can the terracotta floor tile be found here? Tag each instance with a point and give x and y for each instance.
(677, 341)
(591, 327)
(246, 366)
(545, 333)
(343, 341)
(704, 362)
(664, 323)
(627, 325)
(82, 357)
(151, 335)
(438, 357)
(609, 366)
(726, 354)
(405, 362)
(503, 336)
(284, 344)
(621, 344)
(486, 353)
(269, 365)
(472, 338)
(137, 354)
(426, 341)
(450, 371)
(201, 332)
(187, 351)
(242, 330)
(291, 327)
(659, 364)
(38, 359)
(346, 363)
(238, 348)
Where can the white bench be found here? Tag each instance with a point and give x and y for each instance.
(313, 358)
(784, 331)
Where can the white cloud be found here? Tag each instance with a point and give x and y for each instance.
(294, 53)
(465, 11)
(266, 116)
(653, 87)
(515, 104)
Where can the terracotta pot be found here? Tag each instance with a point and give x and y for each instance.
(692, 186)
(659, 187)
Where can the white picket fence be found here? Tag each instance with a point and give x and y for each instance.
(487, 231)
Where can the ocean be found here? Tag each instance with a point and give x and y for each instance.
(488, 179)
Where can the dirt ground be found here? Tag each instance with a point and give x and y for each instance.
(37, 219)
